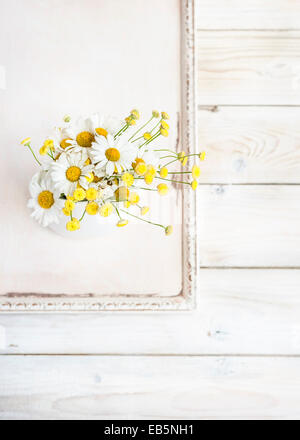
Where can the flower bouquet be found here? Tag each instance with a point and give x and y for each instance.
(104, 165)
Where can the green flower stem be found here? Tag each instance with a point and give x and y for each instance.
(137, 139)
(155, 136)
(156, 125)
(50, 155)
(165, 157)
(145, 189)
(34, 155)
(81, 218)
(180, 172)
(122, 129)
(165, 149)
(117, 211)
(143, 220)
(143, 126)
(172, 161)
(171, 180)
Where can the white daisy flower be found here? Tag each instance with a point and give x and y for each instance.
(45, 200)
(111, 155)
(62, 139)
(105, 125)
(69, 172)
(81, 135)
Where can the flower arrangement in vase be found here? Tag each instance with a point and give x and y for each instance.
(102, 165)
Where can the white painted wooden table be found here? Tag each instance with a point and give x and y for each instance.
(237, 356)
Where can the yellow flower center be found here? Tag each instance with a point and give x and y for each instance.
(112, 154)
(73, 174)
(85, 139)
(101, 132)
(64, 143)
(46, 199)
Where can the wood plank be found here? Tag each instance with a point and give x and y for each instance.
(149, 388)
(240, 68)
(249, 226)
(239, 311)
(250, 144)
(248, 14)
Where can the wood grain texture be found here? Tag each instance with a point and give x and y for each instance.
(243, 68)
(248, 14)
(250, 144)
(149, 388)
(249, 226)
(239, 312)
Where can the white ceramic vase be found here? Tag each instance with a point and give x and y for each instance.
(91, 226)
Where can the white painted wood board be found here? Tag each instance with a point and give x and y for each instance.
(249, 226)
(248, 14)
(249, 68)
(240, 311)
(68, 387)
(250, 144)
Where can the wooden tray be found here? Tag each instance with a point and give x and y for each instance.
(80, 57)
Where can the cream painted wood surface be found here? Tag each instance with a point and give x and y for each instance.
(240, 311)
(248, 14)
(248, 301)
(255, 225)
(250, 144)
(249, 68)
(149, 387)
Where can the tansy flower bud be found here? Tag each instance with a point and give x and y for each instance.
(184, 161)
(165, 125)
(67, 118)
(147, 136)
(195, 171)
(149, 177)
(145, 210)
(127, 204)
(106, 209)
(26, 142)
(194, 184)
(135, 114)
(66, 212)
(165, 115)
(79, 194)
(162, 189)
(164, 172)
(48, 143)
(151, 169)
(169, 230)
(181, 155)
(128, 179)
(92, 208)
(141, 168)
(155, 114)
(164, 132)
(202, 155)
(91, 194)
(134, 198)
(122, 222)
(44, 150)
(73, 225)
(69, 205)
